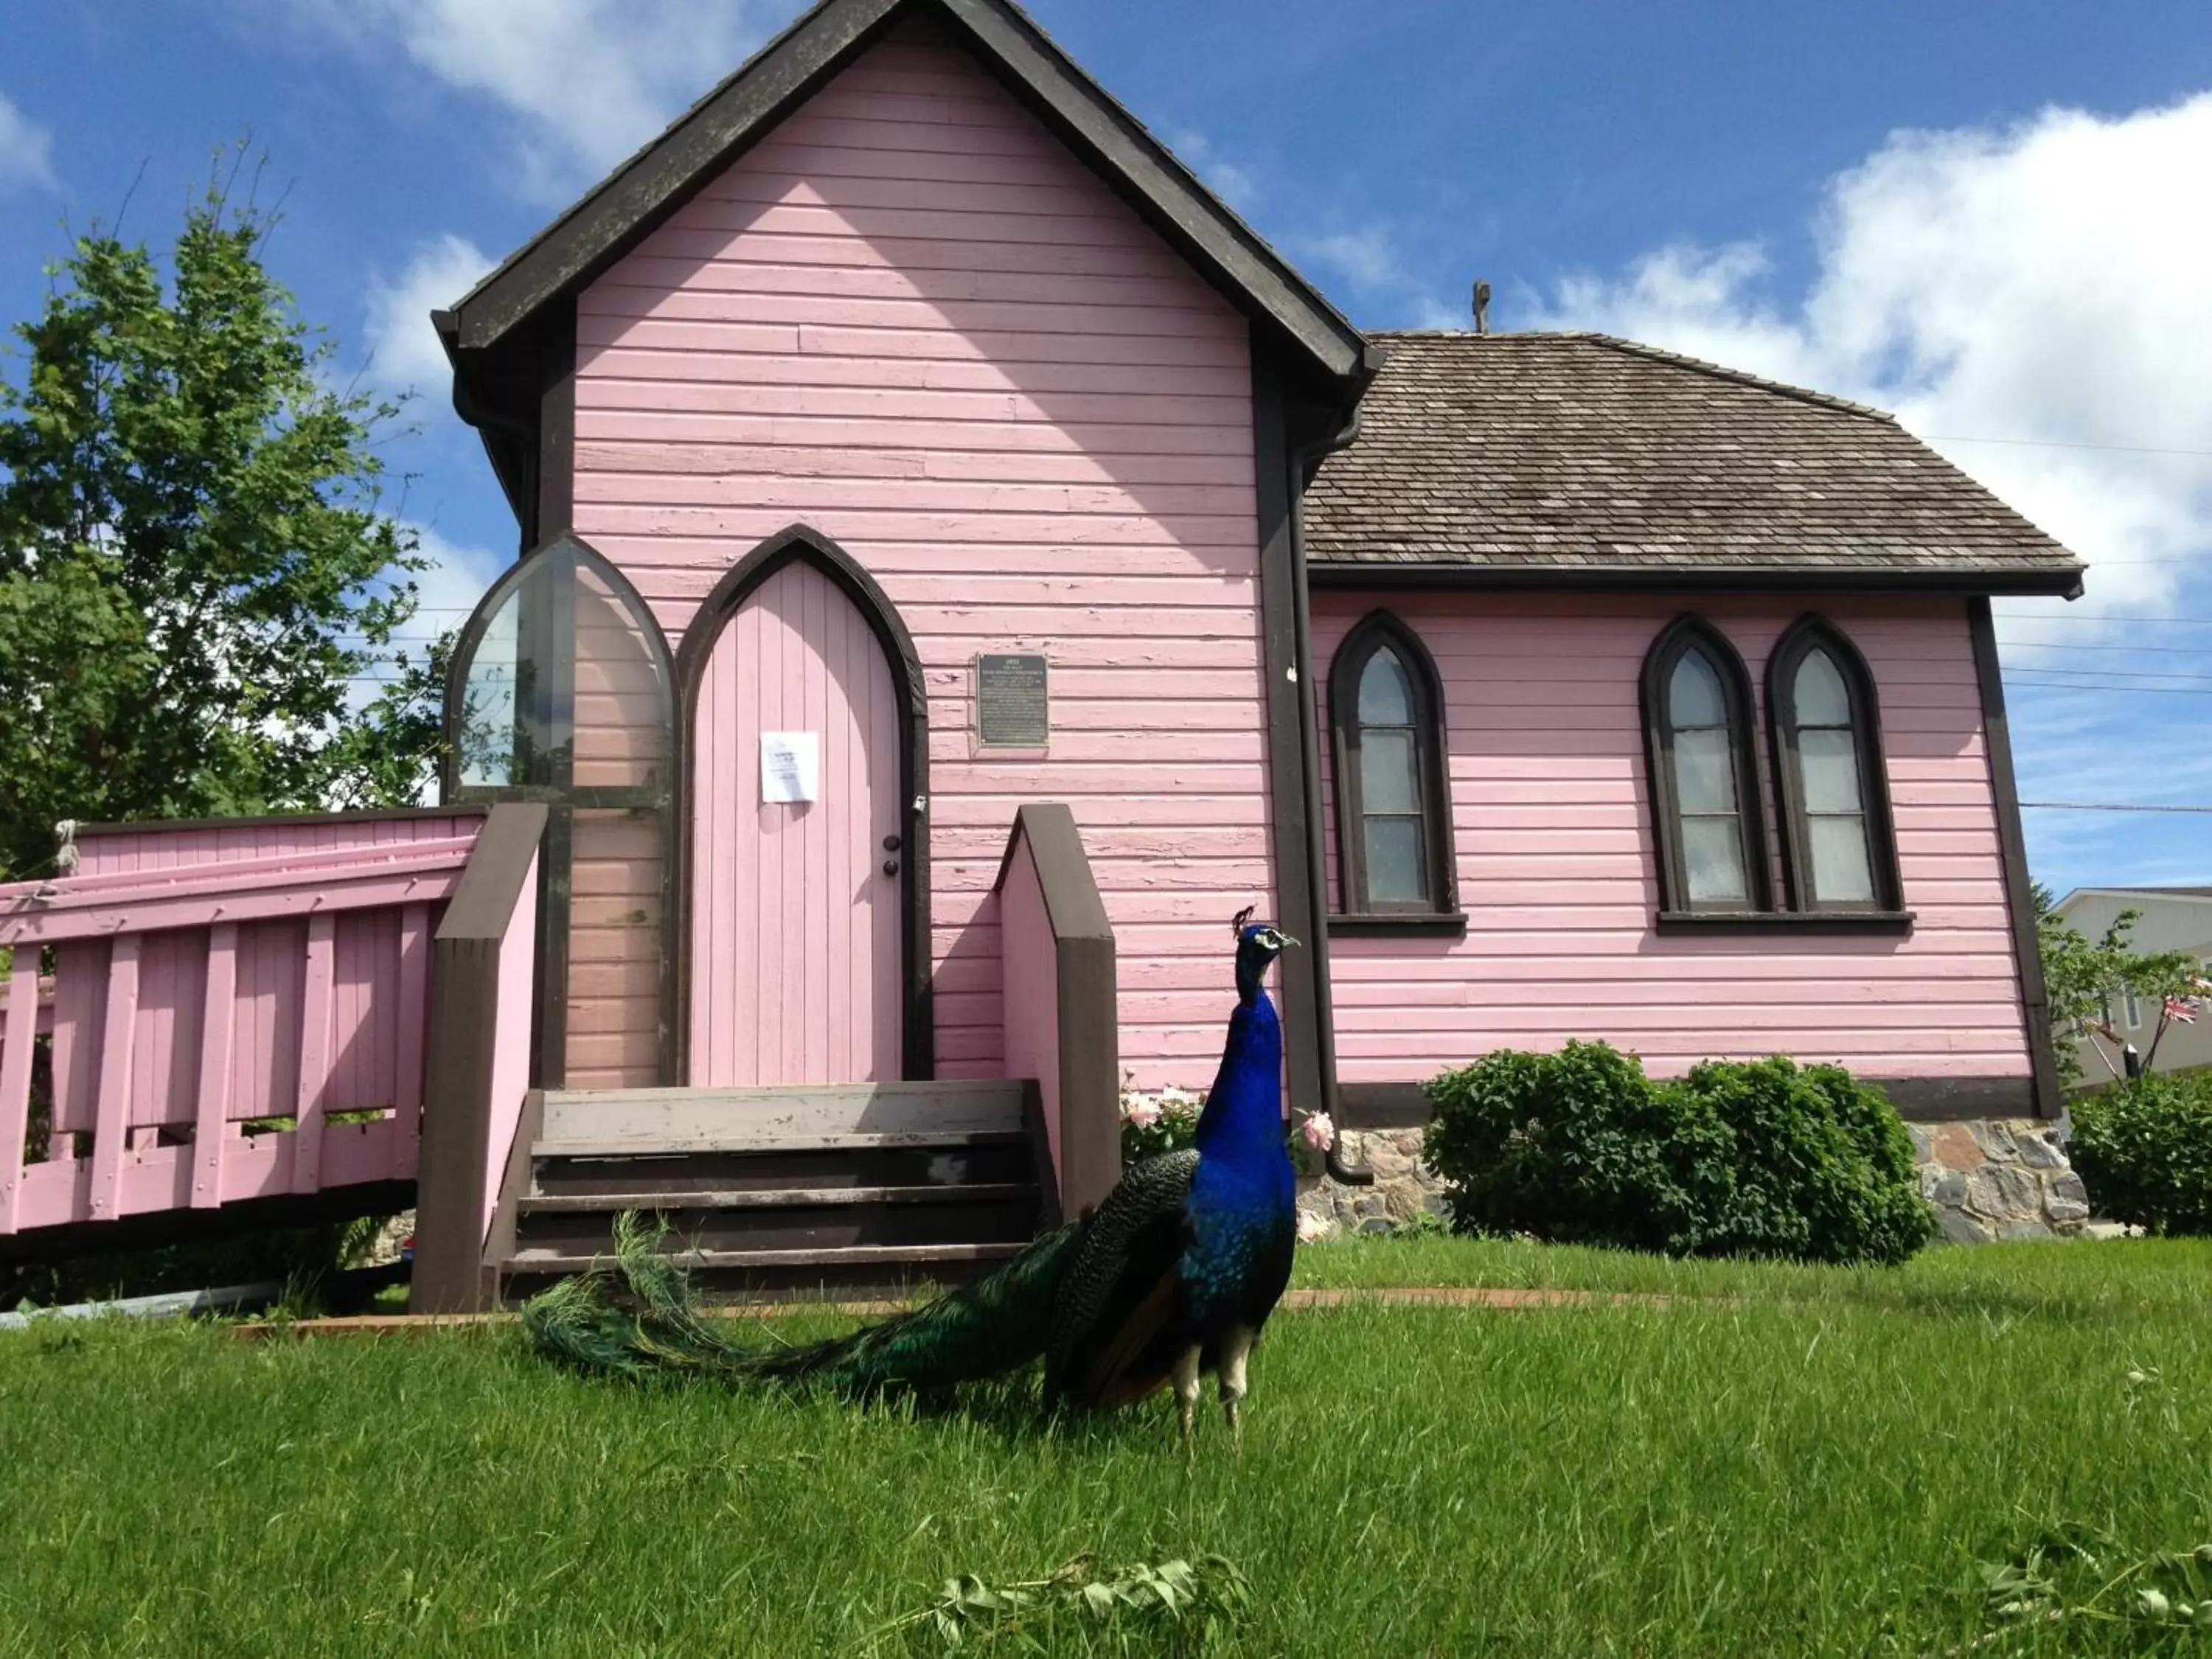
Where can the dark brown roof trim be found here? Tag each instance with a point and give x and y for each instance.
(644, 190)
(2062, 582)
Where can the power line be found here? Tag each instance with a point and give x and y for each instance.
(2058, 443)
(2129, 691)
(2118, 673)
(2106, 806)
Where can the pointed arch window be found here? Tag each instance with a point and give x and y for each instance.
(1838, 845)
(1704, 782)
(1392, 818)
(560, 691)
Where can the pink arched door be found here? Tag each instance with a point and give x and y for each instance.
(795, 919)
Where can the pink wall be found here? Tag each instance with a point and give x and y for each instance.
(912, 319)
(1555, 860)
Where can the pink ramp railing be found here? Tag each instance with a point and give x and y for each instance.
(230, 1012)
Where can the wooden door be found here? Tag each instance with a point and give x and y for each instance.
(795, 916)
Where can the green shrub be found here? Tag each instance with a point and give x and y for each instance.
(1754, 1158)
(2144, 1150)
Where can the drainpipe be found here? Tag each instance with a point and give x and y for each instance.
(1301, 458)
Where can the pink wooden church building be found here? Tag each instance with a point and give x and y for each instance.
(961, 566)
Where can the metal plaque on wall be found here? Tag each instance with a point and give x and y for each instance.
(1011, 709)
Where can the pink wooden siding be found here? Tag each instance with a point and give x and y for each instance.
(794, 924)
(277, 973)
(912, 319)
(1031, 966)
(510, 1040)
(616, 856)
(1552, 832)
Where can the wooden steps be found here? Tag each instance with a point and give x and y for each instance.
(781, 1191)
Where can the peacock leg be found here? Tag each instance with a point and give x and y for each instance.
(1186, 1393)
(1235, 1348)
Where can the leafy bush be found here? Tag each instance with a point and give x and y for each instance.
(2144, 1150)
(1754, 1158)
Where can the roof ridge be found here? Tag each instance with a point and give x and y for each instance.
(1656, 354)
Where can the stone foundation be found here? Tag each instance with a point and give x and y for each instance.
(1990, 1178)
(1999, 1178)
(1404, 1186)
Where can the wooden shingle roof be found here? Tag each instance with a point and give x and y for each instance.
(1526, 457)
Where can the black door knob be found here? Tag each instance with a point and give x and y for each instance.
(891, 866)
(891, 843)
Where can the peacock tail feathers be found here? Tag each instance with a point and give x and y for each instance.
(640, 1317)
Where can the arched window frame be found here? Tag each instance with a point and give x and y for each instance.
(546, 724)
(1673, 641)
(1804, 635)
(1374, 631)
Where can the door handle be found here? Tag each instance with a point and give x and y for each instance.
(891, 866)
(891, 842)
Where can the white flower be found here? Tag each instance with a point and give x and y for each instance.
(1320, 1132)
(1142, 1112)
(1311, 1227)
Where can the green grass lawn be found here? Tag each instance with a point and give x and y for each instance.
(1777, 1460)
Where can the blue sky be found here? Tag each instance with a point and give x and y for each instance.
(1989, 219)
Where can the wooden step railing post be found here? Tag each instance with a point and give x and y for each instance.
(483, 976)
(1061, 1015)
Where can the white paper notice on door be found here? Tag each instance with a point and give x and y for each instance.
(791, 766)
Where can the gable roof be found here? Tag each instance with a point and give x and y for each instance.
(644, 190)
(1509, 458)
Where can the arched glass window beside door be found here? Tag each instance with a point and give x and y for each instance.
(1704, 787)
(1394, 833)
(1838, 846)
(560, 691)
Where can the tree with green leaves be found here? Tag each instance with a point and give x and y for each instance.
(2078, 976)
(196, 569)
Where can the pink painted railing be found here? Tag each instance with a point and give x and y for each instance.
(218, 995)
(1056, 957)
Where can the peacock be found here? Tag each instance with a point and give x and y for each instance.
(1172, 1276)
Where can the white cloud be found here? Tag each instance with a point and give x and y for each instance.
(1234, 185)
(27, 150)
(404, 354)
(1370, 260)
(2048, 284)
(585, 82)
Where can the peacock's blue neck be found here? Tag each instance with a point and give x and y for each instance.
(1242, 1121)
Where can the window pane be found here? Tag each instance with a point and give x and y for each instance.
(1386, 772)
(1841, 872)
(1821, 698)
(1385, 696)
(1394, 861)
(1830, 768)
(1693, 693)
(1712, 856)
(1704, 772)
(486, 720)
(622, 723)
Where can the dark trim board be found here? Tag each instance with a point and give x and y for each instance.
(2062, 583)
(155, 1229)
(1297, 912)
(802, 542)
(1898, 922)
(1917, 1100)
(2012, 845)
(1409, 924)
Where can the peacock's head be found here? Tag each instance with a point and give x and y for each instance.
(1258, 944)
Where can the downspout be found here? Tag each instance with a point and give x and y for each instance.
(1301, 458)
